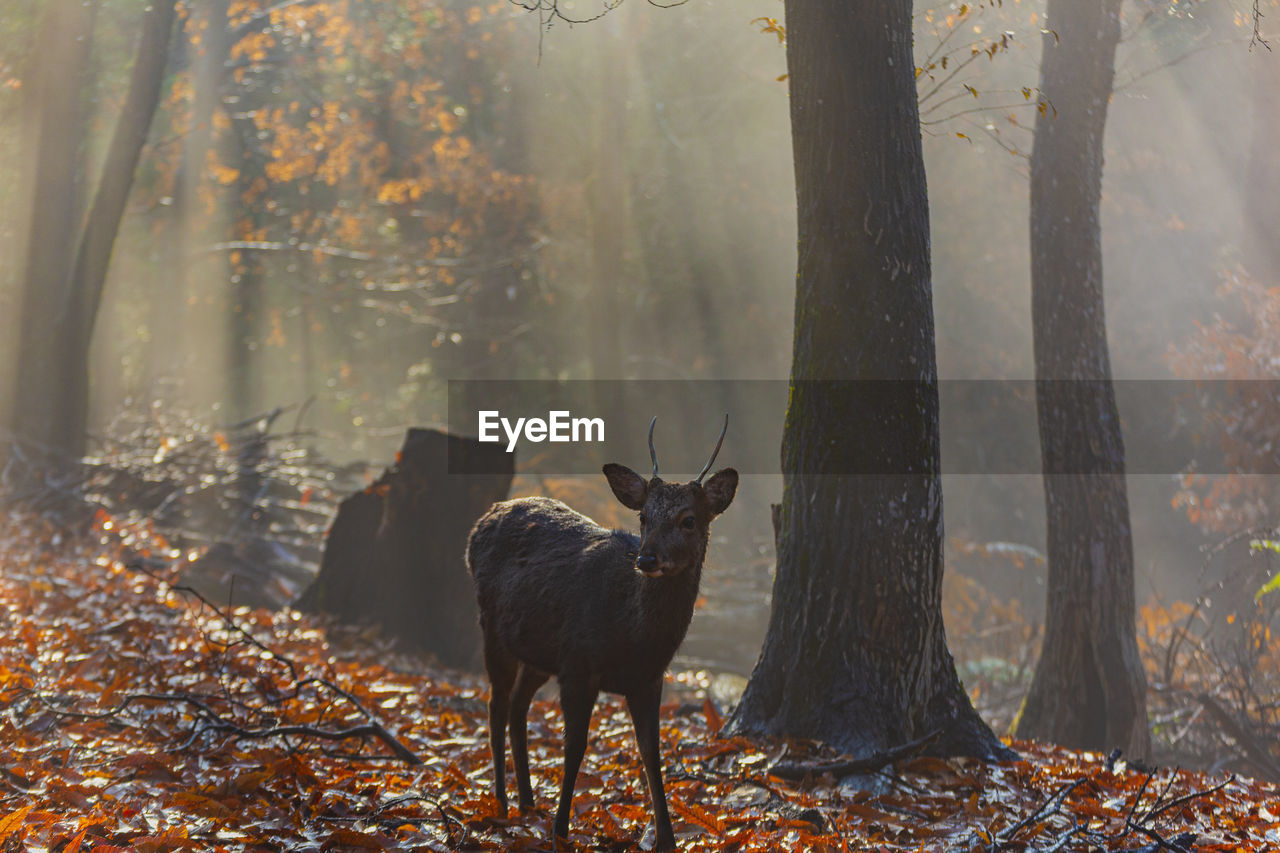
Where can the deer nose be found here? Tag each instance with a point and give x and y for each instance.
(647, 563)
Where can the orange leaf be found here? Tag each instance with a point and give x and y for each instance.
(695, 814)
(13, 821)
(714, 720)
(350, 839)
(73, 846)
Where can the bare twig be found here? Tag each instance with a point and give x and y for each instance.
(800, 770)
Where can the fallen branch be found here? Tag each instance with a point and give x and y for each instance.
(1047, 809)
(257, 705)
(799, 770)
(1255, 752)
(373, 729)
(1133, 824)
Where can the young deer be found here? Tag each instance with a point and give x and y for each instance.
(599, 609)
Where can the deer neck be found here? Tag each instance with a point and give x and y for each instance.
(665, 610)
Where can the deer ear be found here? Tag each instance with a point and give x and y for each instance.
(628, 486)
(721, 488)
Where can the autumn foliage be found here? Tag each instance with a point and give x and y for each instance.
(1240, 352)
(138, 717)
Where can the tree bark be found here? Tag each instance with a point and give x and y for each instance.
(856, 653)
(395, 553)
(1089, 688)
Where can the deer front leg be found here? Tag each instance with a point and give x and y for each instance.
(643, 706)
(576, 701)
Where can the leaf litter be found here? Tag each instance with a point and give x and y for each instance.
(136, 715)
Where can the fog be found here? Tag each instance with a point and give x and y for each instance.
(614, 200)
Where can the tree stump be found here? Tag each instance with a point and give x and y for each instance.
(395, 553)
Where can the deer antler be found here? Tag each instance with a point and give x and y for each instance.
(653, 454)
(714, 453)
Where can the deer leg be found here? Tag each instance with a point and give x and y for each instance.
(643, 705)
(502, 672)
(576, 701)
(528, 680)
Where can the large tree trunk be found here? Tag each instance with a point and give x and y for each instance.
(1089, 689)
(395, 553)
(856, 653)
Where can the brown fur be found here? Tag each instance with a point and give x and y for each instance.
(599, 609)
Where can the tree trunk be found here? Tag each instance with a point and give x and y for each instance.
(55, 93)
(855, 653)
(79, 310)
(170, 318)
(1089, 689)
(607, 204)
(1261, 250)
(246, 280)
(395, 553)
(67, 267)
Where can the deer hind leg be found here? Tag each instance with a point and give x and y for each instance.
(528, 680)
(502, 673)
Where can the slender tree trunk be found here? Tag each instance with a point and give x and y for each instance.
(607, 202)
(856, 654)
(1089, 689)
(79, 310)
(245, 297)
(1261, 249)
(55, 89)
(169, 316)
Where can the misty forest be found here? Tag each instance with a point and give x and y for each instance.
(360, 358)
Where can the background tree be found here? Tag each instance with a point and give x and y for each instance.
(67, 262)
(1089, 688)
(856, 653)
(53, 110)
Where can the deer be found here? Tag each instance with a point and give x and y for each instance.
(599, 609)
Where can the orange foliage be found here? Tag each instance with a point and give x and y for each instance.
(345, 120)
(89, 767)
(1243, 356)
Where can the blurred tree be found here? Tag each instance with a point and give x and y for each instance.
(1262, 203)
(1240, 348)
(201, 55)
(856, 653)
(608, 204)
(341, 183)
(67, 261)
(1089, 688)
(53, 110)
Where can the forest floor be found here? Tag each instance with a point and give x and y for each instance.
(136, 716)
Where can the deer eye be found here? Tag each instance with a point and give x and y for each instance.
(642, 519)
(687, 522)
